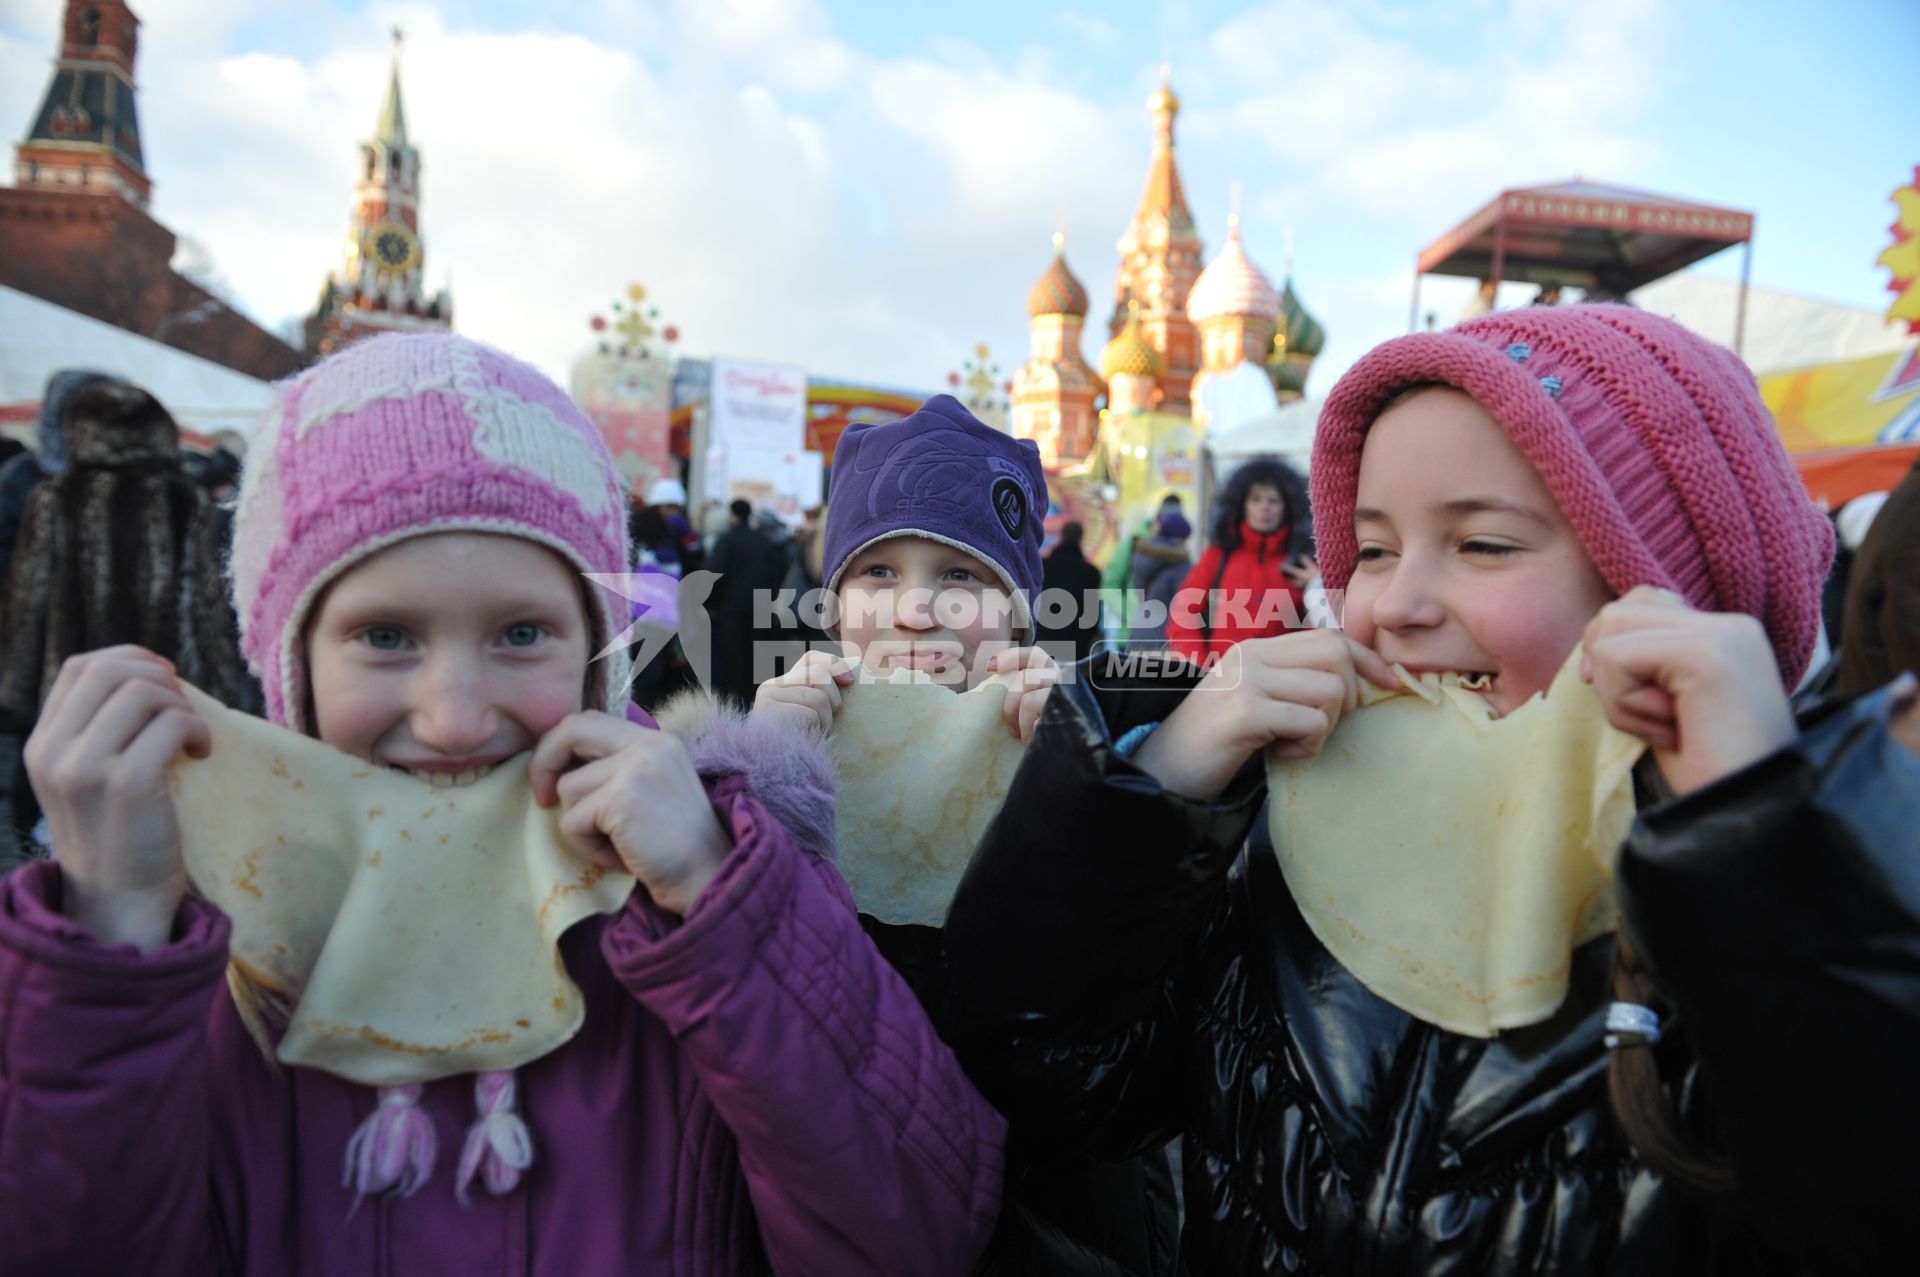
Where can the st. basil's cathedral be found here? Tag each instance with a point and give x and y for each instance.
(1173, 325)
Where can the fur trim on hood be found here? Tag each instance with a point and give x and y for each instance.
(788, 769)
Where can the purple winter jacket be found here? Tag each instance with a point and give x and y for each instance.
(754, 1090)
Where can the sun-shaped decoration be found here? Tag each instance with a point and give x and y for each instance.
(1902, 257)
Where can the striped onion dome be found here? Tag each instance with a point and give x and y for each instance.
(1129, 355)
(1305, 336)
(1232, 285)
(1057, 292)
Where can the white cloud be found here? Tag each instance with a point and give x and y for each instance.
(785, 195)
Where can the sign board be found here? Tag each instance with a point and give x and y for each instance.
(759, 406)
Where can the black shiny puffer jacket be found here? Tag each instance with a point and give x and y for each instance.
(1117, 981)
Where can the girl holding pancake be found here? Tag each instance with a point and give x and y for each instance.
(932, 561)
(1711, 1069)
(737, 1083)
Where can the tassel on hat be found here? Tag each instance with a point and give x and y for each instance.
(395, 1148)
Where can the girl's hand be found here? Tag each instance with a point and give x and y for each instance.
(631, 800)
(1034, 674)
(809, 693)
(98, 758)
(1701, 688)
(1282, 693)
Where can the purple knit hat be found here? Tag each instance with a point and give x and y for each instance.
(944, 474)
(403, 435)
(1653, 440)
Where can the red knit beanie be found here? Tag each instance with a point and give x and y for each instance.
(1653, 440)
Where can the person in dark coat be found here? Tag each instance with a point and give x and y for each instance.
(1882, 629)
(1069, 620)
(118, 547)
(21, 474)
(1160, 564)
(1724, 1085)
(747, 564)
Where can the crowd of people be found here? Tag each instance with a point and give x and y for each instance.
(1125, 1051)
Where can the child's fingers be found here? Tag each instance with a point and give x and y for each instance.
(822, 703)
(582, 737)
(1027, 680)
(1370, 665)
(163, 737)
(1021, 658)
(126, 713)
(573, 786)
(1032, 705)
(1294, 730)
(85, 684)
(580, 826)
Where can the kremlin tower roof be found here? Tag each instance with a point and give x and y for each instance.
(1165, 198)
(1233, 285)
(1304, 334)
(1057, 292)
(1129, 355)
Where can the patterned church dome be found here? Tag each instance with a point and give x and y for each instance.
(1057, 292)
(1305, 337)
(1232, 285)
(1129, 355)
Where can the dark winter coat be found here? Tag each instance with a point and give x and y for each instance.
(1882, 631)
(1066, 569)
(120, 548)
(1124, 974)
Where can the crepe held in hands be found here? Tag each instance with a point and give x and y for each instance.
(1453, 860)
(921, 773)
(392, 931)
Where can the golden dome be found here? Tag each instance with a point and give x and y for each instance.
(1129, 355)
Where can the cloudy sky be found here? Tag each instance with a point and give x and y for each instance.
(868, 189)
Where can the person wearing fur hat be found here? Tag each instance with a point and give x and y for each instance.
(20, 475)
(747, 1086)
(1710, 1071)
(1252, 580)
(120, 546)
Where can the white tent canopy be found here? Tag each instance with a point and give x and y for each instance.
(1286, 433)
(38, 338)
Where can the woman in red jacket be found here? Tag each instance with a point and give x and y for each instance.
(1252, 580)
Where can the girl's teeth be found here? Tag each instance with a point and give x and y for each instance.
(451, 780)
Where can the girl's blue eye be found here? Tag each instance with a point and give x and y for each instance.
(877, 570)
(961, 574)
(384, 638)
(524, 635)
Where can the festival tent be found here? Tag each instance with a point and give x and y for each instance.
(1286, 433)
(38, 338)
(1588, 235)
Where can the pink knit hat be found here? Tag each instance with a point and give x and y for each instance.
(1653, 440)
(400, 436)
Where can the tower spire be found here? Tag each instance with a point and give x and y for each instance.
(392, 130)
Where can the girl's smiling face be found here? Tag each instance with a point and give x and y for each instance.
(910, 602)
(447, 654)
(1465, 562)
